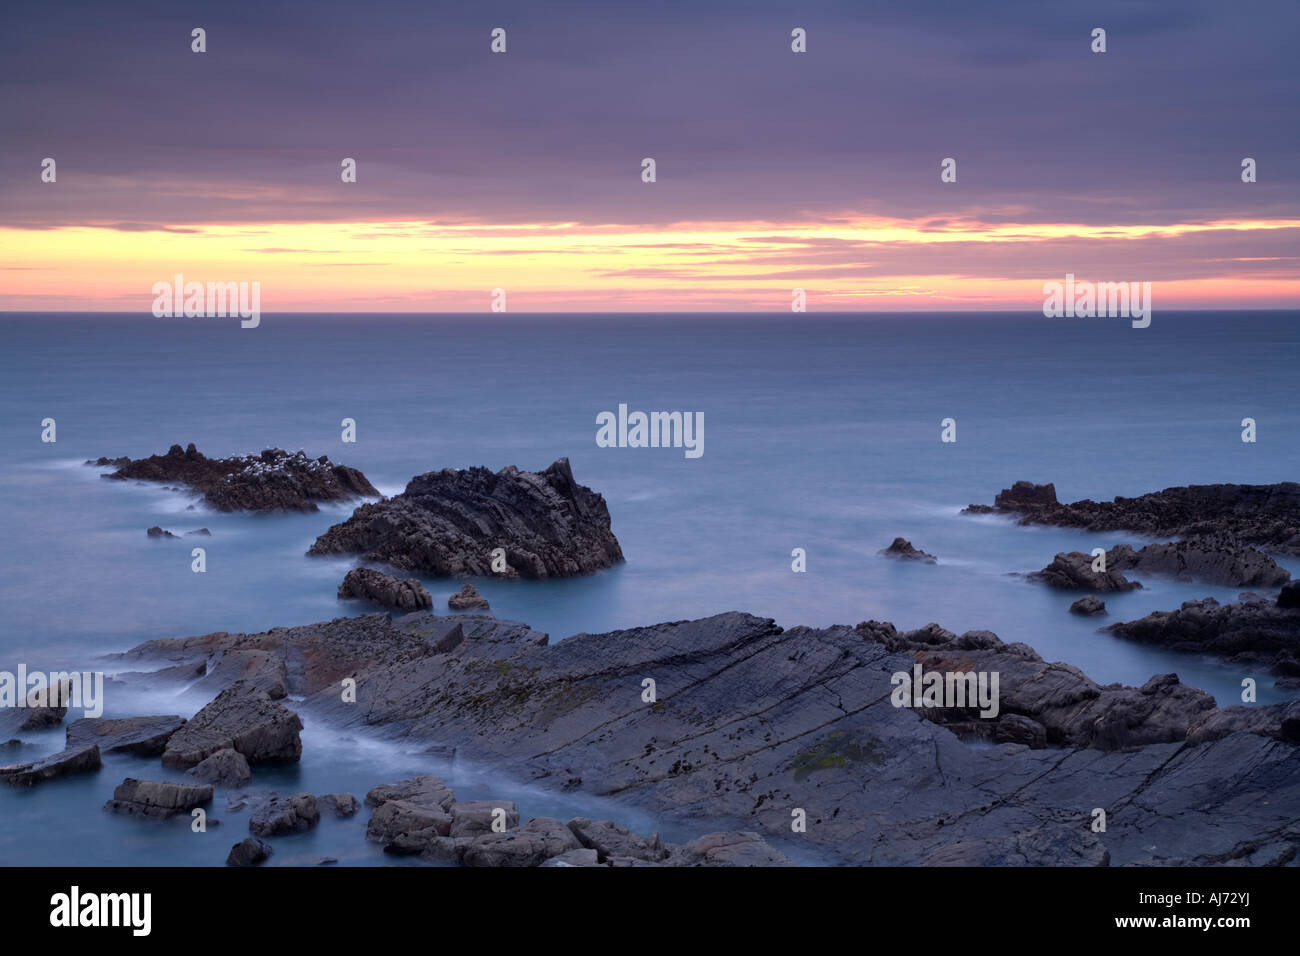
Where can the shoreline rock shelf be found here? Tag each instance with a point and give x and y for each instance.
(752, 721)
(449, 524)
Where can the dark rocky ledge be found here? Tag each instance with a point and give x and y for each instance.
(275, 480)
(447, 524)
(1266, 516)
(752, 723)
(405, 594)
(1256, 631)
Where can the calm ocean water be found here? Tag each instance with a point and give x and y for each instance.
(821, 433)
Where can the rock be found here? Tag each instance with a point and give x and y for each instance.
(1255, 632)
(405, 594)
(327, 860)
(466, 599)
(1279, 721)
(1089, 605)
(281, 815)
(158, 800)
(903, 549)
(248, 851)
(753, 721)
(1266, 516)
(737, 848)
(398, 818)
(582, 857)
(1289, 596)
(157, 532)
(609, 840)
(1017, 729)
(1215, 560)
(142, 736)
(82, 758)
(203, 532)
(342, 805)
(243, 718)
(447, 524)
(272, 481)
(1073, 572)
(46, 707)
(473, 817)
(228, 767)
(532, 844)
(426, 790)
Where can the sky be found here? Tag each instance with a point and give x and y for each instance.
(775, 170)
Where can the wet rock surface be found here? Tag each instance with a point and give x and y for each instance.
(903, 550)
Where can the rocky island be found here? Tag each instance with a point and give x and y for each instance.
(449, 524)
(275, 480)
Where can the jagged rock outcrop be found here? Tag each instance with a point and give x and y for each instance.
(1266, 516)
(902, 549)
(275, 480)
(751, 721)
(243, 718)
(1073, 571)
(468, 599)
(447, 524)
(1256, 631)
(405, 594)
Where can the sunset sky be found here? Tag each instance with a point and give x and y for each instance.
(775, 170)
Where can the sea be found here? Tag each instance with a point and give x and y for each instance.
(822, 442)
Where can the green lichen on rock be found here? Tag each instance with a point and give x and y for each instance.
(837, 749)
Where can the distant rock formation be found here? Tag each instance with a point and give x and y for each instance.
(448, 524)
(272, 481)
(406, 594)
(902, 548)
(1266, 516)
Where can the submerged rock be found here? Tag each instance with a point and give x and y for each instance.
(406, 594)
(157, 532)
(901, 548)
(448, 524)
(275, 480)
